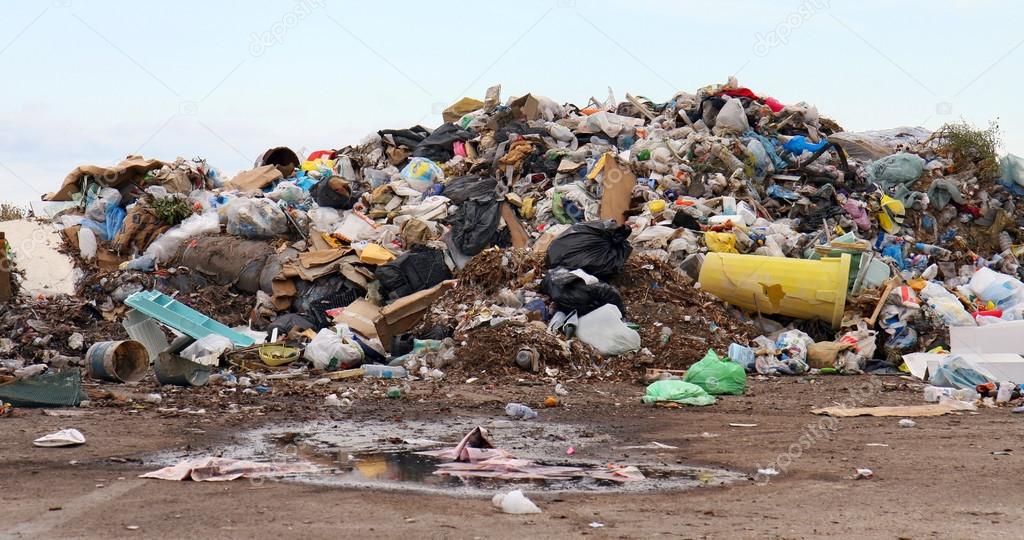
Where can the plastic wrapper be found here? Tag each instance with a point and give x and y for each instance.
(421, 173)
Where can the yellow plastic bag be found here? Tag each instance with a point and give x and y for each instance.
(720, 242)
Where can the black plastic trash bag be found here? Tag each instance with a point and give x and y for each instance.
(463, 188)
(438, 145)
(571, 293)
(404, 138)
(475, 225)
(284, 324)
(415, 270)
(599, 248)
(325, 293)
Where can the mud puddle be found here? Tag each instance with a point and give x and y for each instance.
(384, 456)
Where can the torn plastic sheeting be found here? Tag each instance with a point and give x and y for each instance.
(132, 168)
(249, 265)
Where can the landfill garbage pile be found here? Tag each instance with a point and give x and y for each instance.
(524, 236)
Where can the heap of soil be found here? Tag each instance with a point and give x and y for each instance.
(655, 295)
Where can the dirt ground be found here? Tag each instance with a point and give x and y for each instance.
(940, 479)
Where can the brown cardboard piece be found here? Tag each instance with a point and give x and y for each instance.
(131, 168)
(527, 107)
(310, 259)
(457, 110)
(360, 316)
(618, 190)
(255, 179)
(520, 238)
(906, 411)
(400, 316)
(284, 291)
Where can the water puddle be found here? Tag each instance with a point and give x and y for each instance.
(385, 456)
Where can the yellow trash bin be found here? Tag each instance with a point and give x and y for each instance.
(801, 288)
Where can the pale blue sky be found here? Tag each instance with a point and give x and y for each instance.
(90, 81)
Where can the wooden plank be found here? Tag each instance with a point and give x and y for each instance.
(520, 238)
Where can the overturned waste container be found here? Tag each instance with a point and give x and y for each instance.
(802, 288)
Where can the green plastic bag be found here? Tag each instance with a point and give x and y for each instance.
(679, 392)
(717, 375)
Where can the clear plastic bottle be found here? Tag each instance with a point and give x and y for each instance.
(933, 250)
(384, 372)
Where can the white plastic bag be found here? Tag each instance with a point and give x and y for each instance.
(731, 118)
(207, 350)
(330, 351)
(163, 248)
(604, 330)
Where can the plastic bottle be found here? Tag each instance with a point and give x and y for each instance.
(526, 358)
(732, 163)
(1005, 241)
(933, 250)
(520, 411)
(384, 372)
